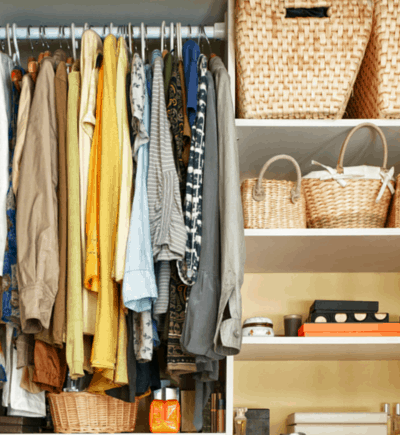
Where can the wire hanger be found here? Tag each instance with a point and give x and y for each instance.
(111, 28)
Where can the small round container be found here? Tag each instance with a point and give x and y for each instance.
(258, 327)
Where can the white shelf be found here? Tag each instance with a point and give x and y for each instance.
(307, 140)
(319, 349)
(336, 250)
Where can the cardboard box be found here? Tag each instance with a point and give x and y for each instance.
(187, 411)
(350, 330)
(343, 306)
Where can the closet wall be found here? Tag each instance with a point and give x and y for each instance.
(305, 386)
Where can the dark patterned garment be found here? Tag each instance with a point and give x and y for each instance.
(188, 268)
(10, 309)
(175, 117)
(178, 361)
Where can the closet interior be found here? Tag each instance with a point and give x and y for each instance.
(287, 269)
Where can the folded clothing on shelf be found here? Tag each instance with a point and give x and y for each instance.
(349, 317)
(350, 330)
(345, 306)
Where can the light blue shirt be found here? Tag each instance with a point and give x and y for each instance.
(139, 288)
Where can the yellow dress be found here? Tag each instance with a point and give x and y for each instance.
(110, 339)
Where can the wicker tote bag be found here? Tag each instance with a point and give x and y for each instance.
(352, 197)
(377, 88)
(298, 67)
(274, 203)
(394, 211)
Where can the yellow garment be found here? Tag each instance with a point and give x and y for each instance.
(91, 46)
(109, 337)
(74, 332)
(126, 164)
(92, 265)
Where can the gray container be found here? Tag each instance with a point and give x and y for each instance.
(257, 421)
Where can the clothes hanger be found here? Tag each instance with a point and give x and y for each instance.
(162, 34)
(73, 41)
(143, 42)
(16, 73)
(111, 28)
(32, 63)
(171, 37)
(17, 55)
(70, 59)
(8, 40)
(47, 53)
(179, 40)
(130, 38)
(202, 32)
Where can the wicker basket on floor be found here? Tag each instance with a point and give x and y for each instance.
(330, 205)
(91, 413)
(273, 203)
(298, 67)
(377, 88)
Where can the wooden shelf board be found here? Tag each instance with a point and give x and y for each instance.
(319, 349)
(314, 250)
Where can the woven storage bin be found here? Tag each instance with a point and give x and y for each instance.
(91, 413)
(274, 203)
(394, 212)
(298, 67)
(377, 88)
(329, 205)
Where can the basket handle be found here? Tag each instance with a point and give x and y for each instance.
(339, 166)
(258, 191)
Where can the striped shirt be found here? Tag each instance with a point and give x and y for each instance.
(167, 228)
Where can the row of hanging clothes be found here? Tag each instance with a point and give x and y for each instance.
(121, 231)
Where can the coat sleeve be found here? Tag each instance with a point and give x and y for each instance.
(228, 337)
(37, 217)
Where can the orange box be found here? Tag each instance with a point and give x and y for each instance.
(165, 416)
(350, 330)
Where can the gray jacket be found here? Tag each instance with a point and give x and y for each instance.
(228, 336)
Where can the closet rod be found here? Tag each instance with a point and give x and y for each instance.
(217, 31)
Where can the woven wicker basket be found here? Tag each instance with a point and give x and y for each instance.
(298, 67)
(273, 203)
(394, 211)
(91, 413)
(377, 88)
(330, 205)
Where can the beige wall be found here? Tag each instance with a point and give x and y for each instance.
(287, 387)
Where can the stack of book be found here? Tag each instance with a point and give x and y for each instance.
(348, 318)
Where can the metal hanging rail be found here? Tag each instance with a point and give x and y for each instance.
(217, 31)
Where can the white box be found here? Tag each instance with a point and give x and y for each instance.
(339, 429)
(337, 418)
